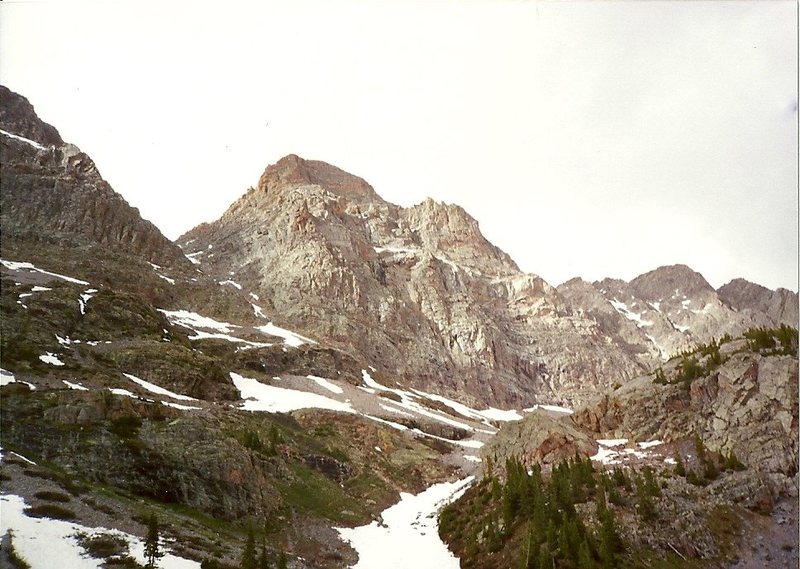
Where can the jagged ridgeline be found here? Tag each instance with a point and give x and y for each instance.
(307, 380)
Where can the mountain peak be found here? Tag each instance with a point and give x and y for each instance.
(18, 117)
(667, 281)
(292, 171)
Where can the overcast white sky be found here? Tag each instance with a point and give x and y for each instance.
(588, 139)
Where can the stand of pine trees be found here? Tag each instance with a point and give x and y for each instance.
(537, 516)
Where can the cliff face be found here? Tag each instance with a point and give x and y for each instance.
(420, 293)
(52, 193)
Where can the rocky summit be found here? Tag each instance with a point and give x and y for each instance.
(308, 380)
(419, 293)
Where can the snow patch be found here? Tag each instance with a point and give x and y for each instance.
(47, 543)
(6, 377)
(322, 382)
(153, 388)
(553, 408)
(84, 299)
(636, 317)
(27, 141)
(193, 320)
(289, 338)
(50, 358)
(230, 282)
(261, 397)
(257, 311)
(75, 386)
(19, 265)
(179, 406)
(408, 536)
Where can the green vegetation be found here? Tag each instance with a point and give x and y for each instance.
(537, 515)
(51, 496)
(706, 358)
(53, 511)
(780, 341)
(152, 549)
(709, 464)
(103, 545)
(17, 561)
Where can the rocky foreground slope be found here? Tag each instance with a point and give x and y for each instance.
(694, 465)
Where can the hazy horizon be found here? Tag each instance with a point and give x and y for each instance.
(588, 139)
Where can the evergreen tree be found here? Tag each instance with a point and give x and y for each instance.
(249, 553)
(152, 551)
(585, 556)
(680, 468)
(644, 503)
(282, 559)
(262, 560)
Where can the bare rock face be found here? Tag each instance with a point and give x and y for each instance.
(671, 309)
(417, 292)
(51, 192)
(539, 438)
(748, 405)
(778, 306)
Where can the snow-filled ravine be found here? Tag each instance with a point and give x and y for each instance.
(408, 536)
(45, 543)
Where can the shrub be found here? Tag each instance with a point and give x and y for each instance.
(50, 511)
(51, 496)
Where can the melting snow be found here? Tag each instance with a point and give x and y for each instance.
(254, 296)
(394, 410)
(51, 359)
(191, 257)
(179, 406)
(261, 397)
(408, 536)
(169, 280)
(609, 455)
(289, 338)
(322, 382)
(257, 311)
(18, 266)
(636, 317)
(84, 299)
(193, 320)
(6, 377)
(612, 442)
(472, 458)
(75, 386)
(45, 543)
(27, 141)
(553, 408)
(153, 388)
(125, 392)
(230, 282)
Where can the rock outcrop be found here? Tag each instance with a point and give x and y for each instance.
(748, 405)
(52, 193)
(539, 438)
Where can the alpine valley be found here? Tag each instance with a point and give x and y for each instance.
(324, 379)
